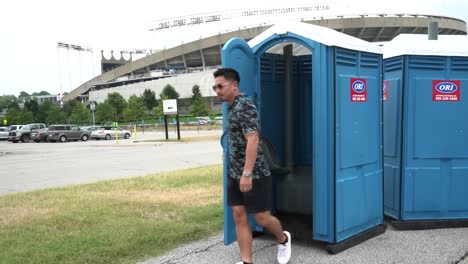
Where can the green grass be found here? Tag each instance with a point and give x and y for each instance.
(118, 221)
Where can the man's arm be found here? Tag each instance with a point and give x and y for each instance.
(251, 152)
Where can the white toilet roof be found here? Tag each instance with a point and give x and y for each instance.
(326, 36)
(419, 44)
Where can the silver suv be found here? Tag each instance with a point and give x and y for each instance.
(15, 127)
(65, 133)
(24, 133)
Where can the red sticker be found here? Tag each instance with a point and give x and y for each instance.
(358, 90)
(386, 86)
(446, 91)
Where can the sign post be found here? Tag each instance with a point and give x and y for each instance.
(92, 106)
(116, 124)
(165, 127)
(178, 127)
(170, 108)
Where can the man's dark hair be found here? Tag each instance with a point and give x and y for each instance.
(228, 74)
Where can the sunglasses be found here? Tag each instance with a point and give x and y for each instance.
(220, 86)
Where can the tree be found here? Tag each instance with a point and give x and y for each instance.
(55, 115)
(12, 116)
(196, 91)
(19, 117)
(118, 104)
(149, 98)
(23, 96)
(158, 110)
(25, 117)
(32, 106)
(68, 106)
(136, 108)
(198, 106)
(13, 104)
(169, 92)
(43, 109)
(7, 100)
(104, 112)
(80, 114)
(40, 93)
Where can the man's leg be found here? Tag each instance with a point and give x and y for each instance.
(259, 203)
(271, 223)
(243, 232)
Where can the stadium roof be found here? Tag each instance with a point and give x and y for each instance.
(205, 52)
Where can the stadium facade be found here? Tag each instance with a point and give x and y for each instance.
(190, 46)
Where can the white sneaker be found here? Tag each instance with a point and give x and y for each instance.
(240, 262)
(284, 251)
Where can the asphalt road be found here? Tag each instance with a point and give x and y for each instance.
(31, 166)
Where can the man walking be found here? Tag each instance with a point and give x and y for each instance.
(249, 181)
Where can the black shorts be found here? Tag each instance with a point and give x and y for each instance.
(257, 200)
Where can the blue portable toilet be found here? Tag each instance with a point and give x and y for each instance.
(426, 131)
(319, 96)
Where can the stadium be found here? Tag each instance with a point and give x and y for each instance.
(190, 46)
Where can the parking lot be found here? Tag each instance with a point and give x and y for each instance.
(30, 166)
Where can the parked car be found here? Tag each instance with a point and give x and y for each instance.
(203, 120)
(109, 133)
(15, 127)
(24, 133)
(91, 128)
(4, 133)
(39, 135)
(218, 120)
(66, 132)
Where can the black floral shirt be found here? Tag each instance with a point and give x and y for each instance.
(242, 119)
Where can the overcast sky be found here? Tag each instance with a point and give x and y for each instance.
(30, 30)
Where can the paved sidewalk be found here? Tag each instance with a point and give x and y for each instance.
(465, 260)
(438, 246)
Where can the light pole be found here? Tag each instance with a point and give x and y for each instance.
(78, 48)
(92, 106)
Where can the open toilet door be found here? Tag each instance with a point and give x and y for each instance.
(237, 54)
(358, 144)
